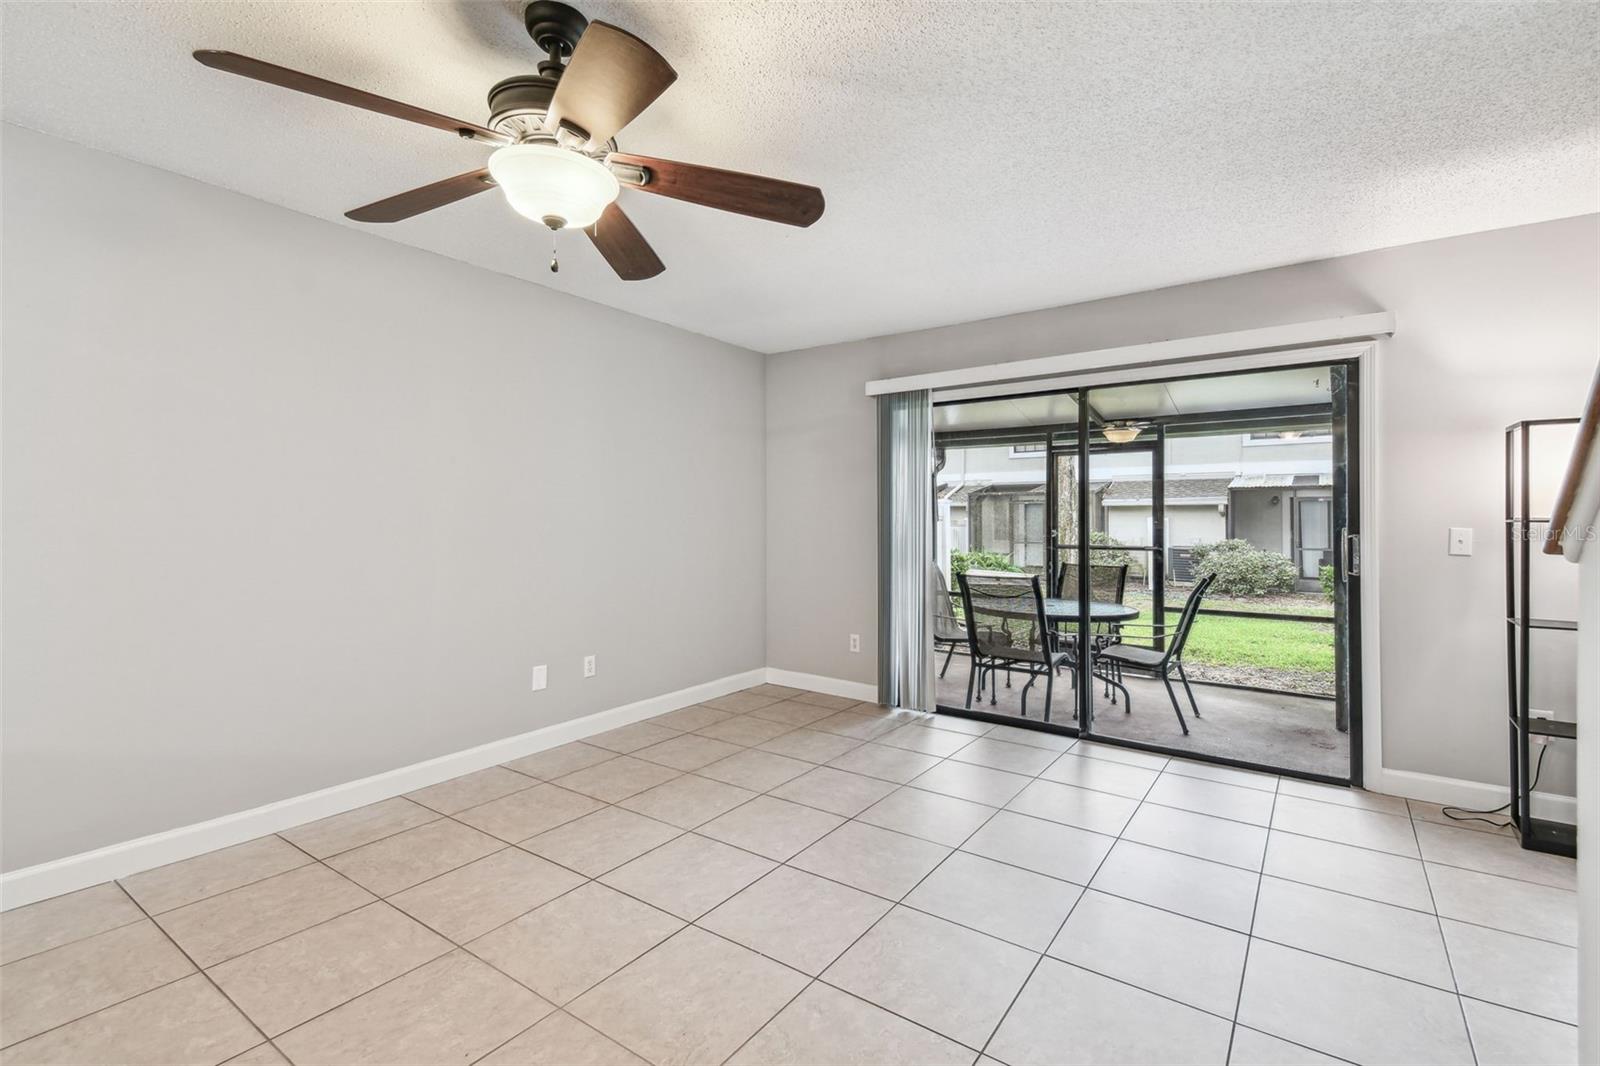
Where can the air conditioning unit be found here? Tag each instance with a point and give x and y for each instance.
(1180, 565)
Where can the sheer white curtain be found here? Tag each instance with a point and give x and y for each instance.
(905, 550)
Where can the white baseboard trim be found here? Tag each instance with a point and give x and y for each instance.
(1456, 792)
(34, 883)
(833, 686)
(31, 884)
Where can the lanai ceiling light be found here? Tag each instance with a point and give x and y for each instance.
(556, 155)
(1121, 432)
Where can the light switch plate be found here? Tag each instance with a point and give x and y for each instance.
(1460, 540)
(541, 676)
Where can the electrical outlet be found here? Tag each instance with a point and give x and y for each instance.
(1538, 740)
(541, 675)
(1460, 540)
(588, 666)
(855, 641)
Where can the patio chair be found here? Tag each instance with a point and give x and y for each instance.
(948, 632)
(1006, 630)
(1108, 583)
(1154, 662)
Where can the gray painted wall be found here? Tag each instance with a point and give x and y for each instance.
(276, 526)
(287, 504)
(1493, 327)
(1258, 519)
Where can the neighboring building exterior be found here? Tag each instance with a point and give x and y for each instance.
(1274, 491)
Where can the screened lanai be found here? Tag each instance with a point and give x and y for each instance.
(1230, 488)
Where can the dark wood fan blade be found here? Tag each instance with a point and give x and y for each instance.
(629, 254)
(611, 77)
(272, 74)
(416, 201)
(728, 190)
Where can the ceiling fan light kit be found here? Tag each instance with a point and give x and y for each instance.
(557, 162)
(552, 185)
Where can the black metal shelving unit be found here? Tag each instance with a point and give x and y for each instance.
(1522, 531)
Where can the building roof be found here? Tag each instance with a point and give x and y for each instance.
(1189, 488)
(1280, 481)
(971, 488)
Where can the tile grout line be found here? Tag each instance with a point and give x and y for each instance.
(76, 939)
(558, 1010)
(911, 784)
(212, 981)
(893, 903)
(1250, 936)
(1415, 858)
(1083, 887)
(1444, 943)
(557, 1007)
(1293, 1043)
(561, 1008)
(1431, 914)
(364, 843)
(846, 950)
(1000, 1024)
(898, 902)
(108, 1006)
(365, 992)
(876, 737)
(1166, 770)
(146, 916)
(376, 900)
(1518, 1010)
(687, 923)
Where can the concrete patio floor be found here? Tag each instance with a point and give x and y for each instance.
(1279, 730)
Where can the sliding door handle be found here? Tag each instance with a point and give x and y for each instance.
(1350, 550)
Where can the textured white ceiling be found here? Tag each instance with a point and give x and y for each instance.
(978, 159)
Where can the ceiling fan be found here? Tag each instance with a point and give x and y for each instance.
(556, 158)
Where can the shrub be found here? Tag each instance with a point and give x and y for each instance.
(961, 562)
(1242, 569)
(1325, 575)
(1119, 556)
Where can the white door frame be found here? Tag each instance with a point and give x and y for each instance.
(1358, 338)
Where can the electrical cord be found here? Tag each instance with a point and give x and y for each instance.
(1467, 814)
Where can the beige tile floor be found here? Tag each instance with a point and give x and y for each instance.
(703, 889)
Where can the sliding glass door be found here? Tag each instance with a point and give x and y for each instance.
(1346, 556)
(1196, 544)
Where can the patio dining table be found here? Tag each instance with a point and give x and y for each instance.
(1066, 611)
(1058, 610)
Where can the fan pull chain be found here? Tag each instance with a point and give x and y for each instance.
(555, 267)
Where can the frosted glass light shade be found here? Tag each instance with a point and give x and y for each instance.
(552, 185)
(1120, 432)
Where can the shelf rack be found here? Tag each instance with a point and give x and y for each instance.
(1522, 528)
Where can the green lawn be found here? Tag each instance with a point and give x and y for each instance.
(1255, 643)
(1264, 642)
(1269, 653)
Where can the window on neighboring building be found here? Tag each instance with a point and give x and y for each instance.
(1027, 451)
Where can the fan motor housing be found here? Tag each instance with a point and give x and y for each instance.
(517, 106)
